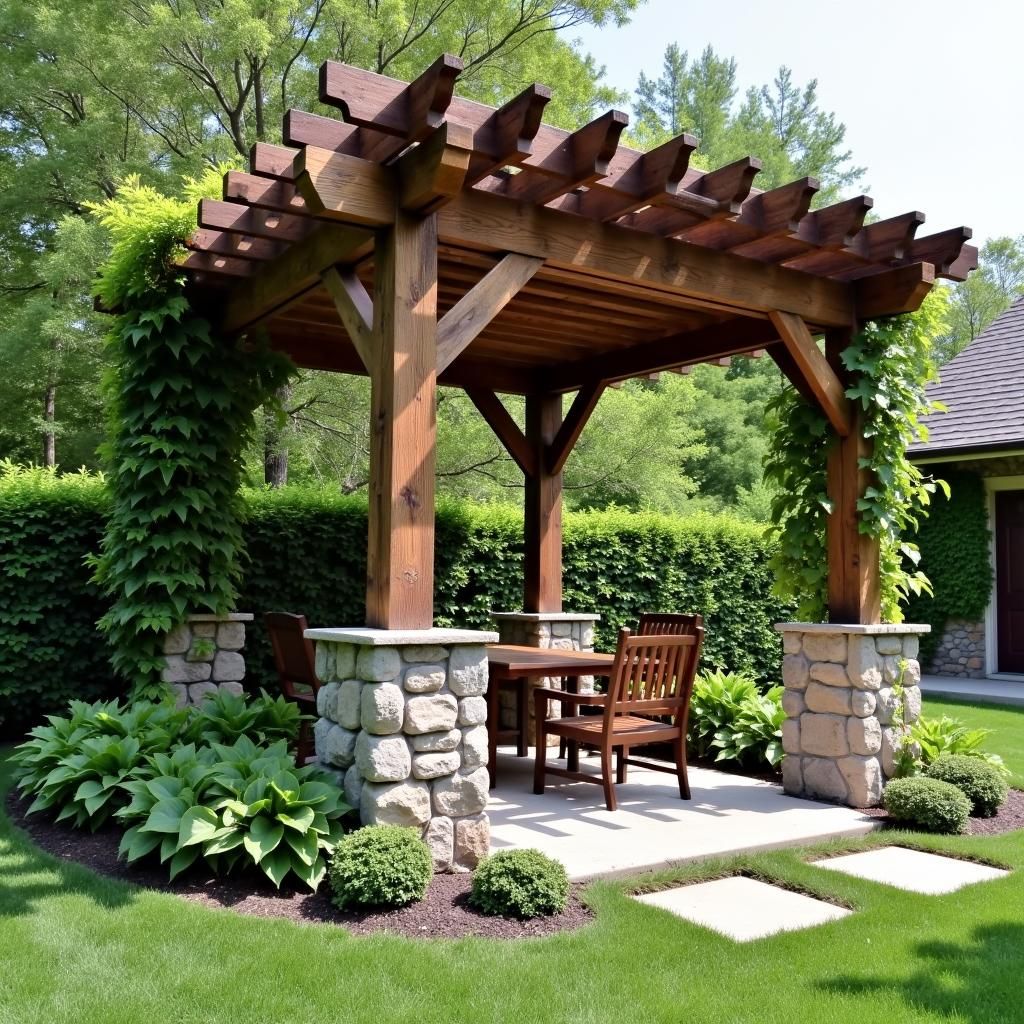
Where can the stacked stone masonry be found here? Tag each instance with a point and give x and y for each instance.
(851, 694)
(204, 655)
(568, 631)
(961, 650)
(404, 729)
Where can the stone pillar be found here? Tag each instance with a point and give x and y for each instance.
(204, 654)
(851, 695)
(403, 721)
(568, 631)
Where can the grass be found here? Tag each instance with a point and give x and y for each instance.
(1005, 721)
(78, 948)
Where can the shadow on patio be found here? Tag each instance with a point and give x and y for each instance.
(652, 827)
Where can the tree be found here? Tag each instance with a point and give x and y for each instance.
(780, 123)
(986, 293)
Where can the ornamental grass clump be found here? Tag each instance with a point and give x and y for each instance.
(380, 866)
(928, 804)
(520, 883)
(978, 780)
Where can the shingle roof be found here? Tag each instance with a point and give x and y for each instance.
(983, 387)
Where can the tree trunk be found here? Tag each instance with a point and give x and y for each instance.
(275, 443)
(49, 429)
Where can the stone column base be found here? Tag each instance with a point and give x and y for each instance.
(851, 695)
(403, 721)
(204, 654)
(568, 631)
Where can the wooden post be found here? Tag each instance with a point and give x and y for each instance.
(400, 554)
(543, 511)
(854, 595)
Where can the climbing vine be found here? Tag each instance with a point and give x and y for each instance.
(180, 404)
(889, 363)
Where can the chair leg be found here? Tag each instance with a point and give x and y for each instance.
(620, 767)
(523, 717)
(606, 778)
(684, 779)
(541, 756)
(304, 746)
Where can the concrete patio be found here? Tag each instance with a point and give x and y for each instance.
(653, 828)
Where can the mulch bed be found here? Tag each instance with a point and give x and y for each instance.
(443, 914)
(1009, 817)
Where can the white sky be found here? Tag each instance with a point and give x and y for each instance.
(932, 94)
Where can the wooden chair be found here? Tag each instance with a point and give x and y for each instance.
(295, 662)
(652, 676)
(668, 624)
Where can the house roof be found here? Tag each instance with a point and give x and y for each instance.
(983, 388)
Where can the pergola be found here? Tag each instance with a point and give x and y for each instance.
(425, 239)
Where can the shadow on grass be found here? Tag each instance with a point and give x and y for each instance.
(976, 982)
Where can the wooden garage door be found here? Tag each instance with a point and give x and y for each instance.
(1010, 580)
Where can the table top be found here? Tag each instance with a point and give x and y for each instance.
(512, 660)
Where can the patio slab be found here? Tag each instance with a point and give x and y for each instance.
(744, 908)
(913, 870)
(653, 828)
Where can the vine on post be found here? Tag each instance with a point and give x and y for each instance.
(890, 363)
(180, 410)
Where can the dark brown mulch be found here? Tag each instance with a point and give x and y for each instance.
(443, 914)
(1009, 817)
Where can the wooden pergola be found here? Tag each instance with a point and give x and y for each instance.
(425, 239)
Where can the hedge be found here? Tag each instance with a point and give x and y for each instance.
(307, 553)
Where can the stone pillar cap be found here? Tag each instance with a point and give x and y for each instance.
(365, 636)
(546, 616)
(880, 629)
(229, 617)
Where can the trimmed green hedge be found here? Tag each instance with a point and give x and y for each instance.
(307, 553)
(954, 540)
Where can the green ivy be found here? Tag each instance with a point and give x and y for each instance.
(180, 412)
(954, 542)
(889, 363)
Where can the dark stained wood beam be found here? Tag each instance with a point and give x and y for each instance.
(283, 281)
(433, 172)
(814, 369)
(942, 250)
(505, 137)
(572, 426)
(542, 526)
(732, 337)
(264, 193)
(213, 263)
(901, 290)
(247, 220)
(355, 307)
(480, 305)
(505, 428)
(225, 243)
(272, 161)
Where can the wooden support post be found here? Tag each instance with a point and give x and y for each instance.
(543, 522)
(400, 559)
(854, 594)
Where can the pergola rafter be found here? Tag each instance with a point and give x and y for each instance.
(428, 239)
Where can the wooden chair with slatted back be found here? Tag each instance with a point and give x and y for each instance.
(295, 661)
(668, 624)
(652, 676)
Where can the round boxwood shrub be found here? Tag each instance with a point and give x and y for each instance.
(979, 781)
(380, 866)
(929, 804)
(519, 883)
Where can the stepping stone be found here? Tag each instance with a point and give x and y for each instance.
(744, 908)
(928, 873)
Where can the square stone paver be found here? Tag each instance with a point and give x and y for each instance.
(744, 908)
(928, 873)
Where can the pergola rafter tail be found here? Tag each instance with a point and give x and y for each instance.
(424, 238)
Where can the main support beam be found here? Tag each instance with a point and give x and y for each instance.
(854, 590)
(542, 531)
(400, 558)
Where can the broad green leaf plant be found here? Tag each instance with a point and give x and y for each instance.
(181, 405)
(889, 363)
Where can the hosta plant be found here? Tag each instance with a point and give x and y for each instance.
(223, 717)
(755, 734)
(244, 805)
(715, 704)
(938, 737)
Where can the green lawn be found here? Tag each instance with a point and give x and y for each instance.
(1005, 721)
(77, 948)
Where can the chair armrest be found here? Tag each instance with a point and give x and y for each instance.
(549, 693)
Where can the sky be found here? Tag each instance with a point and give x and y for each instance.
(932, 94)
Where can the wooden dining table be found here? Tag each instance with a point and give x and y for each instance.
(512, 662)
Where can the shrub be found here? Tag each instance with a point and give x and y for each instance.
(937, 737)
(380, 866)
(929, 804)
(729, 715)
(223, 717)
(519, 883)
(979, 781)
